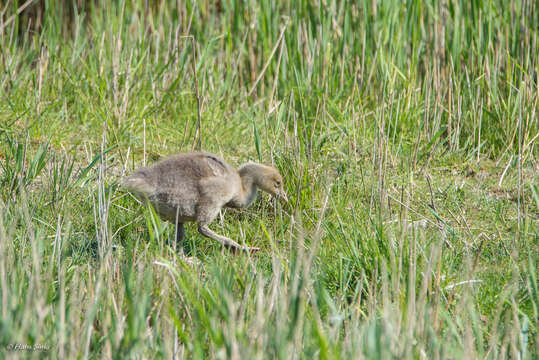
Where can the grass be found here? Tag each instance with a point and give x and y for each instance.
(406, 134)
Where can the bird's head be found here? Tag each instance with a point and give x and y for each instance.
(266, 178)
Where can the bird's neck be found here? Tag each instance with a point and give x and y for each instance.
(248, 185)
(248, 191)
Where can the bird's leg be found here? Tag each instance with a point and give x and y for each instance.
(180, 236)
(204, 217)
(229, 243)
(179, 245)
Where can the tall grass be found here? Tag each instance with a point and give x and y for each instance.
(406, 133)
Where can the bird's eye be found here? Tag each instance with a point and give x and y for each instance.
(277, 183)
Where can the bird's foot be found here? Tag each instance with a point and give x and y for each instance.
(238, 249)
(250, 250)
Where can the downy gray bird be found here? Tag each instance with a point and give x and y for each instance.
(195, 186)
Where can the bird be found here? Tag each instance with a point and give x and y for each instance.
(195, 186)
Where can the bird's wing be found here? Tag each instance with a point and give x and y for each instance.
(217, 166)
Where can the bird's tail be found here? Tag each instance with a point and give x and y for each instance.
(138, 185)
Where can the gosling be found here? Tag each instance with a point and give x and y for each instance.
(195, 186)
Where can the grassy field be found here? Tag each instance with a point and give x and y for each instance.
(407, 134)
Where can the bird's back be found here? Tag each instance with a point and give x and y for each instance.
(173, 185)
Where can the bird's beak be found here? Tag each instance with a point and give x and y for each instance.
(283, 196)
